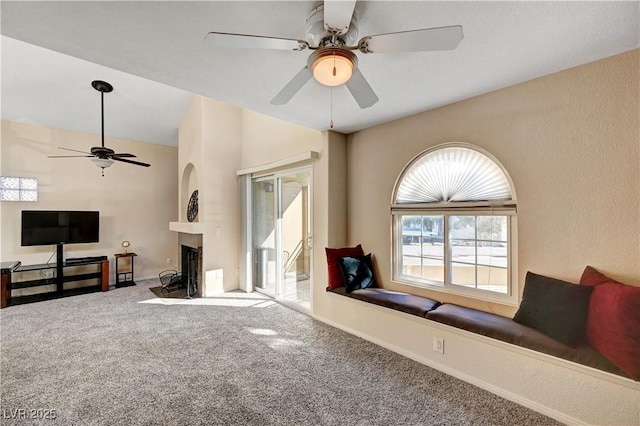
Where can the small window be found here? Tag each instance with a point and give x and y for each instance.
(454, 221)
(18, 189)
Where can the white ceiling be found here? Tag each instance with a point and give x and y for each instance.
(153, 42)
(47, 88)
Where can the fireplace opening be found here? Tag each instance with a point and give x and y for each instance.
(191, 266)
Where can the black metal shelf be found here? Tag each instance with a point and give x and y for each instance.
(62, 273)
(33, 283)
(19, 300)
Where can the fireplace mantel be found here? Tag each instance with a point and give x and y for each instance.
(187, 227)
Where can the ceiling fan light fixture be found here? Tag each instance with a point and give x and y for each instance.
(102, 162)
(332, 66)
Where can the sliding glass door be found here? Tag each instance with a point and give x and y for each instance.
(281, 235)
(264, 235)
(295, 225)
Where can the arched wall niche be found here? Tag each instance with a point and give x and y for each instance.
(189, 184)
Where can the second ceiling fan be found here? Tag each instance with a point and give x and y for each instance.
(332, 34)
(102, 156)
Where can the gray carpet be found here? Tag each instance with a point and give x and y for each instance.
(106, 359)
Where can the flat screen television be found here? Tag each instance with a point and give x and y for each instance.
(46, 227)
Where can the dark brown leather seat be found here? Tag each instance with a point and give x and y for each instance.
(409, 303)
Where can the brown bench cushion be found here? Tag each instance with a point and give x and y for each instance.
(409, 303)
(507, 330)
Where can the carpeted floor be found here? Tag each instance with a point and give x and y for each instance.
(125, 357)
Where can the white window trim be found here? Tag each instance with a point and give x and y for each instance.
(510, 298)
(476, 208)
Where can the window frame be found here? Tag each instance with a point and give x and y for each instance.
(510, 297)
(26, 189)
(506, 208)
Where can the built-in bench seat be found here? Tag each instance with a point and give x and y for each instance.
(507, 330)
(483, 323)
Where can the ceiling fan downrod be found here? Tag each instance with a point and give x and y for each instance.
(102, 87)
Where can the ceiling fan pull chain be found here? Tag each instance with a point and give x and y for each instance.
(334, 64)
(331, 112)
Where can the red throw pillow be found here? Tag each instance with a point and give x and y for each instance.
(613, 320)
(333, 266)
(591, 277)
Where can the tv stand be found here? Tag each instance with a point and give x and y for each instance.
(60, 278)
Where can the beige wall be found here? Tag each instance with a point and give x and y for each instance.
(209, 146)
(221, 194)
(266, 139)
(190, 155)
(570, 142)
(330, 222)
(135, 203)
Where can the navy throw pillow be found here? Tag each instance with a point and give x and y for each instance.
(357, 272)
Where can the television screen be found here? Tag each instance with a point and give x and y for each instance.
(45, 227)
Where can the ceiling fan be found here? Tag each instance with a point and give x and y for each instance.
(102, 156)
(332, 31)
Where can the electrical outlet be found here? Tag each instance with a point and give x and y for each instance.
(438, 345)
(168, 261)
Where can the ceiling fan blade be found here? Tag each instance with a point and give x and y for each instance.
(442, 38)
(292, 87)
(338, 14)
(245, 41)
(123, 155)
(69, 156)
(137, 163)
(74, 150)
(361, 90)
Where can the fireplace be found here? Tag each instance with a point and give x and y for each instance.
(191, 263)
(191, 267)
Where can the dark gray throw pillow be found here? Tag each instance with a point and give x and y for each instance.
(554, 307)
(357, 272)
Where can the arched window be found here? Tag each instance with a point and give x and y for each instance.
(454, 222)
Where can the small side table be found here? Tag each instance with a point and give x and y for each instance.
(124, 277)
